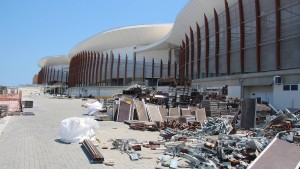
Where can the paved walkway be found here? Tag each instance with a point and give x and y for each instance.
(29, 142)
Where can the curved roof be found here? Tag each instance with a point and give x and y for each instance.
(54, 60)
(191, 14)
(123, 37)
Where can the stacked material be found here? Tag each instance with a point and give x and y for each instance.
(217, 148)
(92, 152)
(222, 152)
(211, 107)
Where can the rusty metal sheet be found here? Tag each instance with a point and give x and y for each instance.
(141, 111)
(124, 111)
(201, 115)
(164, 112)
(174, 112)
(279, 154)
(153, 113)
(248, 113)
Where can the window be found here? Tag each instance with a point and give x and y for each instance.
(286, 87)
(294, 87)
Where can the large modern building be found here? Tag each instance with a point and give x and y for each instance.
(112, 58)
(251, 46)
(54, 71)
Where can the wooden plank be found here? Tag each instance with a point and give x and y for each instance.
(153, 113)
(124, 111)
(164, 112)
(174, 112)
(201, 115)
(141, 111)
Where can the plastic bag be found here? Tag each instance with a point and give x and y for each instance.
(75, 130)
(93, 108)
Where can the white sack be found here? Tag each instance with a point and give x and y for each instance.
(95, 105)
(93, 108)
(92, 112)
(74, 129)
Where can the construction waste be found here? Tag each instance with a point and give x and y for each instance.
(215, 143)
(205, 131)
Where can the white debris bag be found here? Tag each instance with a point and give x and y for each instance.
(75, 130)
(93, 108)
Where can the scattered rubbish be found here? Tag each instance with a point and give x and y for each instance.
(109, 162)
(140, 125)
(205, 130)
(74, 129)
(133, 156)
(104, 147)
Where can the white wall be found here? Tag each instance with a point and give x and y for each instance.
(94, 91)
(285, 99)
(27, 91)
(264, 92)
(234, 91)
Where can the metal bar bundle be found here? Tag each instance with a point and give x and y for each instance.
(93, 153)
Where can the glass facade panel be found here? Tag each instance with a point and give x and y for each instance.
(202, 60)
(268, 57)
(212, 45)
(222, 43)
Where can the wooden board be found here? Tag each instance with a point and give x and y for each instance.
(153, 113)
(186, 112)
(141, 111)
(201, 115)
(164, 112)
(174, 112)
(124, 111)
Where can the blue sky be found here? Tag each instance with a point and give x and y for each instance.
(33, 29)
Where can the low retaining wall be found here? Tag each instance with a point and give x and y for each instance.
(95, 91)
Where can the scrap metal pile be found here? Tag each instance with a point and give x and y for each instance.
(215, 151)
(225, 151)
(233, 138)
(215, 142)
(214, 147)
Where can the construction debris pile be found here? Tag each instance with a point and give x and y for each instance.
(201, 131)
(213, 142)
